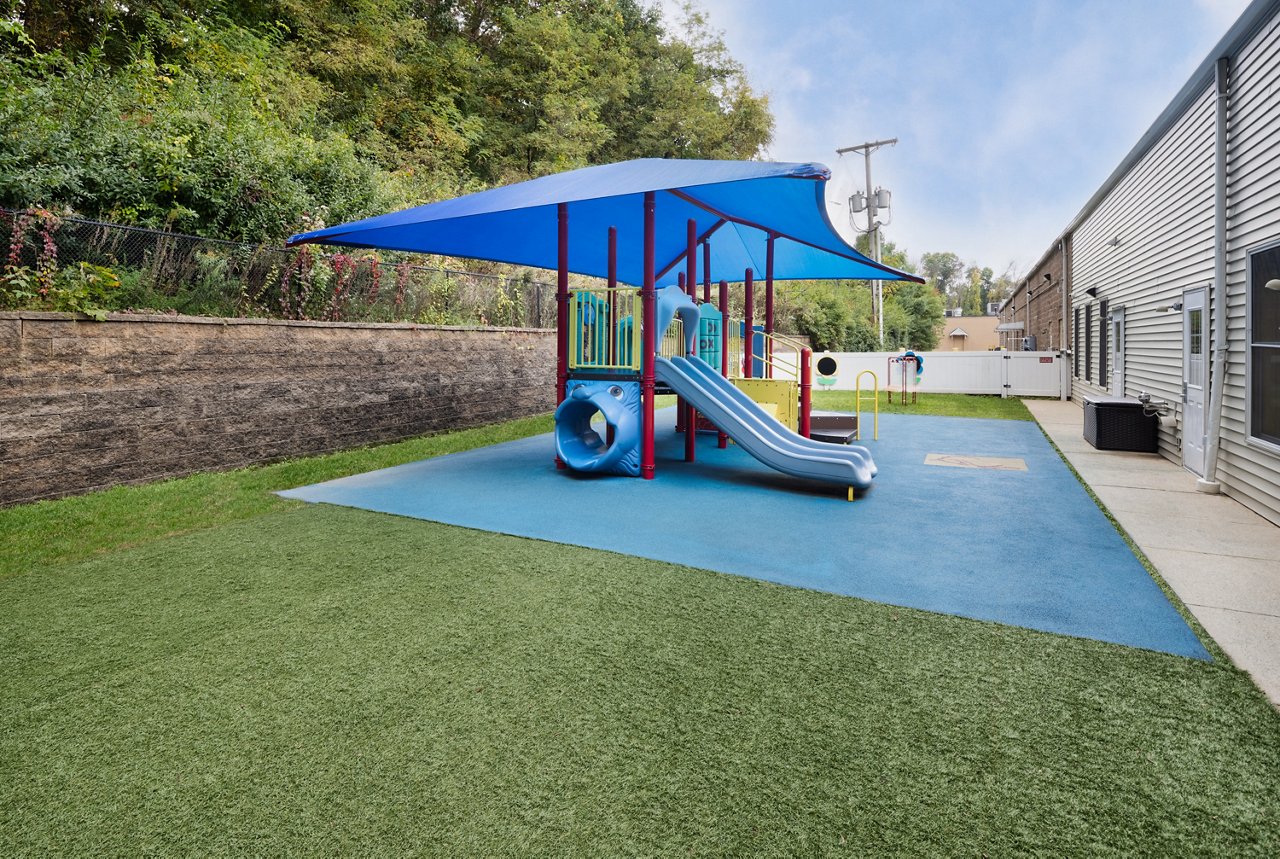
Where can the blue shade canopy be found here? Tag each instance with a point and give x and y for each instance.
(734, 203)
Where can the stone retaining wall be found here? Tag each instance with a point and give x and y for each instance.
(86, 405)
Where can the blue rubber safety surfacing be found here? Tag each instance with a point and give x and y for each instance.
(1026, 548)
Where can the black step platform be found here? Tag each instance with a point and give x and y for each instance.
(833, 427)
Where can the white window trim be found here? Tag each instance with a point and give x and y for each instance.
(1256, 442)
(1261, 444)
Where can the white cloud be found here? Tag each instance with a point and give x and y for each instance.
(1221, 14)
(1009, 114)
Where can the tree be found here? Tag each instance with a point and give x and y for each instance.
(240, 120)
(1002, 287)
(835, 315)
(922, 308)
(827, 321)
(943, 270)
(986, 282)
(691, 99)
(969, 297)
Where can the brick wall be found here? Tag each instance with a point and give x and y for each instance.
(1045, 298)
(86, 405)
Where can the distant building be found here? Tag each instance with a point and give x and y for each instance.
(968, 334)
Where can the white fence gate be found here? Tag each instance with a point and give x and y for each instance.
(1009, 374)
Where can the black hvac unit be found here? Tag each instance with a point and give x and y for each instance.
(1120, 423)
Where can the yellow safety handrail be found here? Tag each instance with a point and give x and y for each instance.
(729, 329)
(771, 358)
(789, 341)
(875, 400)
(673, 343)
(604, 334)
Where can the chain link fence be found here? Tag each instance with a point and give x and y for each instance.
(160, 271)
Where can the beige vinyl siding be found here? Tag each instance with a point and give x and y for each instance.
(1162, 211)
(1250, 472)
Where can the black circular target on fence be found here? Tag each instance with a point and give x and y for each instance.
(827, 366)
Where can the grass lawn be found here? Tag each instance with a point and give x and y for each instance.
(216, 670)
(958, 405)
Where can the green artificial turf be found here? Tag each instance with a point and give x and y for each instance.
(200, 667)
(33, 535)
(956, 405)
(323, 681)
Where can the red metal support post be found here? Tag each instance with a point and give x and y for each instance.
(806, 390)
(690, 433)
(723, 440)
(613, 295)
(680, 410)
(648, 299)
(748, 323)
(768, 305)
(562, 306)
(562, 300)
(691, 258)
(691, 283)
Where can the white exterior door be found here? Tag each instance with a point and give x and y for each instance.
(1195, 380)
(1117, 352)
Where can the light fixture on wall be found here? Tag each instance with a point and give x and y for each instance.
(1165, 308)
(1273, 284)
(1114, 242)
(1092, 292)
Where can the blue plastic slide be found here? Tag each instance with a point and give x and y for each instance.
(767, 424)
(758, 433)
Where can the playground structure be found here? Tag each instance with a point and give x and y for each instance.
(909, 367)
(618, 345)
(708, 377)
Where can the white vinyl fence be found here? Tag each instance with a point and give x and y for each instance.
(1009, 374)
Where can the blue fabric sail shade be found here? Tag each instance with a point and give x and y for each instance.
(735, 204)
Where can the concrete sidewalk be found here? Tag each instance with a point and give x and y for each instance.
(1221, 559)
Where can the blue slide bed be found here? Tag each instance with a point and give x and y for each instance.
(759, 434)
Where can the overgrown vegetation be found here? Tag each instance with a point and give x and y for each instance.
(115, 268)
(254, 120)
(251, 121)
(839, 317)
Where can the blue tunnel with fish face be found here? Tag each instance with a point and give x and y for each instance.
(580, 445)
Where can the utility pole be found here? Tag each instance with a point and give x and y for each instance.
(873, 202)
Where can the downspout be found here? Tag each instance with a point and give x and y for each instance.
(1209, 483)
(1027, 333)
(1064, 352)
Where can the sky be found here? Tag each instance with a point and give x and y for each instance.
(1009, 114)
